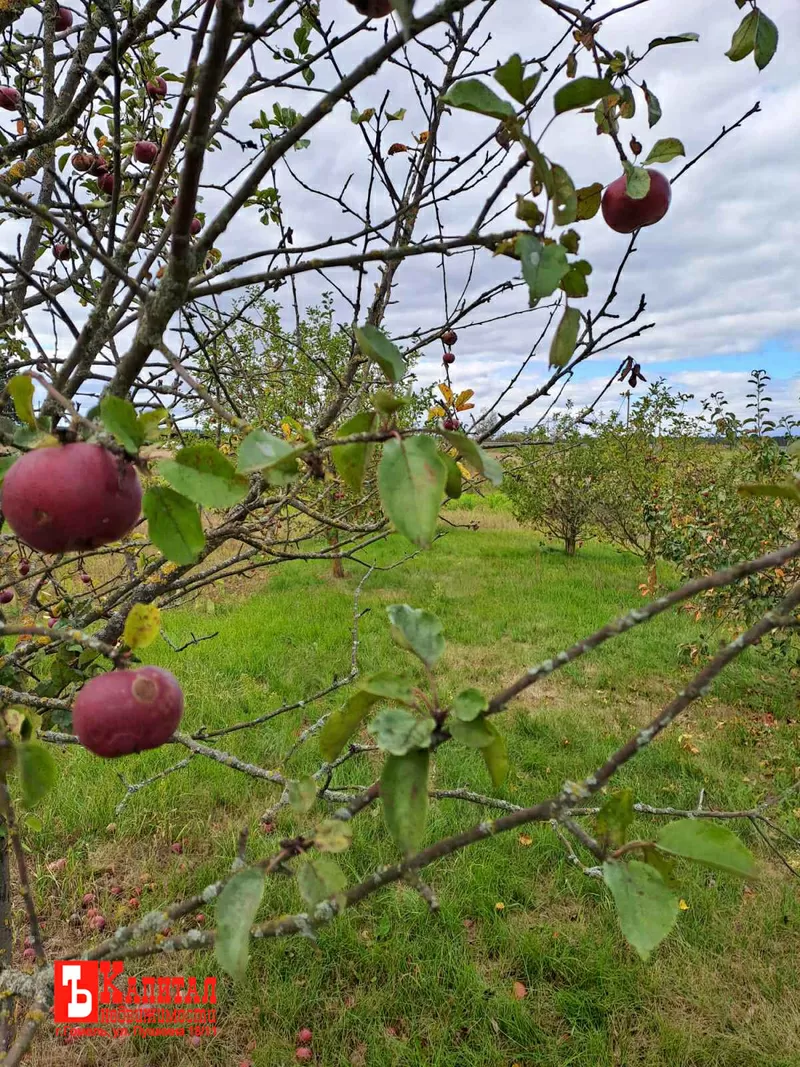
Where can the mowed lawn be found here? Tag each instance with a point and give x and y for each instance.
(390, 982)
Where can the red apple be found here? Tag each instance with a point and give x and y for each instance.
(195, 227)
(62, 252)
(372, 9)
(121, 712)
(156, 88)
(24, 568)
(448, 358)
(449, 337)
(106, 183)
(85, 578)
(63, 19)
(9, 98)
(6, 596)
(71, 497)
(304, 1036)
(145, 151)
(451, 424)
(100, 165)
(303, 1055)
(624, 214)
(98, 922)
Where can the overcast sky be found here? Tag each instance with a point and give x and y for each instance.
(720, 272)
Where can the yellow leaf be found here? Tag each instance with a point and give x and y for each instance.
(463, 397)
(141, 626)
(464, 407)
(423, 137)
(446, 392)
(464, 471)
(683, 905)
(499, 906)
(20, 389)
(286, 430)
(525, 839)
(437, 412)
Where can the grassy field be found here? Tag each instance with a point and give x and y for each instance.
(390, 983)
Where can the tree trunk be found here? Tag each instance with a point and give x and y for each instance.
(6, 935)
(337, 569)
(569, 544)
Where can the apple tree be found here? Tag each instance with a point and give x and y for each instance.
(169, 166)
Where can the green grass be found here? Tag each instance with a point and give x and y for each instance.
(390, 983)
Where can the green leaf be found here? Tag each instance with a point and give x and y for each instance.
(665, 150)
(333, 835)
(397, 731)
(676, 38)
(495, 756)
(469, 704)
(627, 103)
(387, 403)
(173, 523)
(766, 43)
(273, 456)
(541, 168)
(20, 389)
(589, 198)
(476, 734)
(580, 93)
(319, 879)
(342, 723)
(637, 185)
(782, 490)
(565, 338)
(452, 485)
(511, 75)
(473, 95)
(665, 866)
(411, 479)
(376, 346)
(646, 907)
(543, 266)
(301, 794)
(653, 106)
(142, 626)
(6, 463)
(236, 910)
(204, 475)
(574, 282)
(351, 461)
(120, 419)
(565, 199)
(744, 39)
(385, 685)
(706, 842)
(528, 212)
(417, 631)
(571, 240)
(475, 457)
(38, 771)
(150, 423)
(404, 793)
(614, 818)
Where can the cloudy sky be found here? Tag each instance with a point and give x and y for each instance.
(720, 272)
